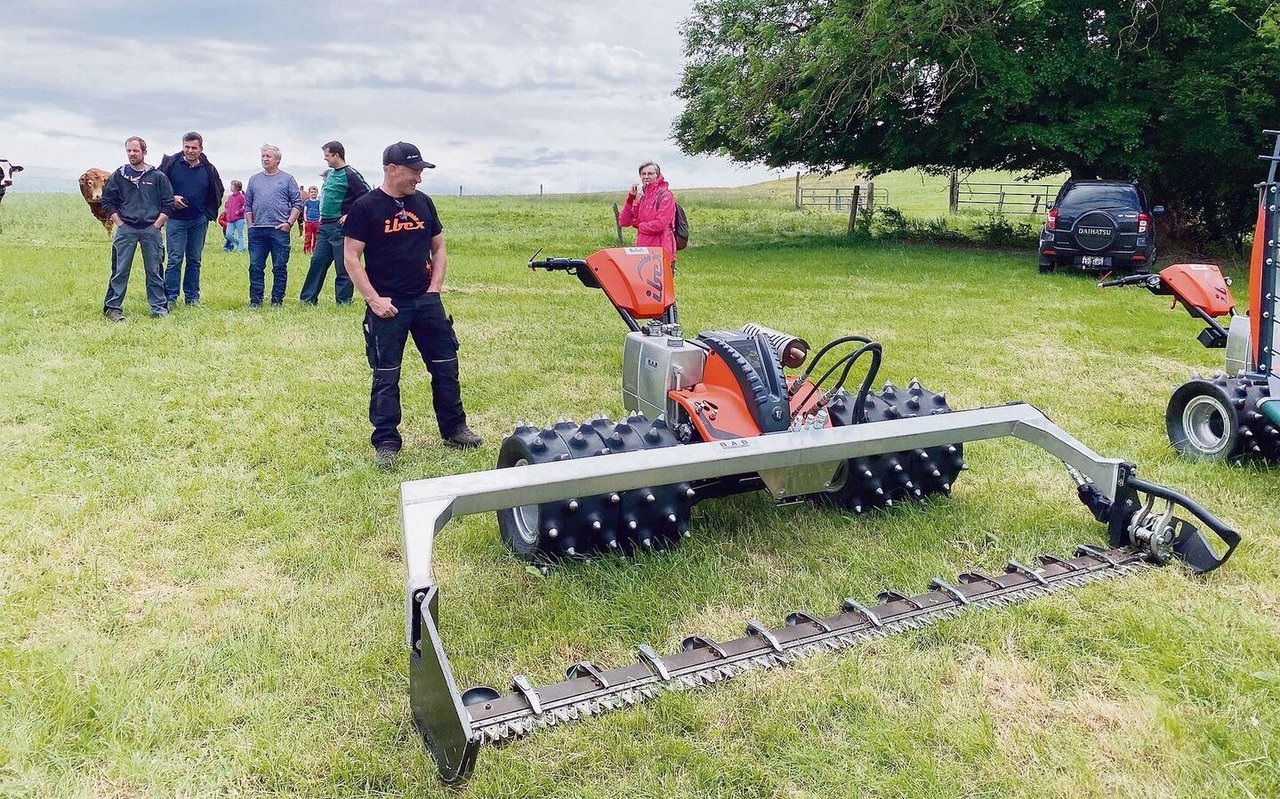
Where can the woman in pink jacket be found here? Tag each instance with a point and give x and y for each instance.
(651, 210)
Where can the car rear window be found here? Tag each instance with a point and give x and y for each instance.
(1087, 197)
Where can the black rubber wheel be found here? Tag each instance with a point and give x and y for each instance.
(862, 484)
(621, 521)
(1202, 422)
(1218, 419)
(523, 528)
(1046, 267)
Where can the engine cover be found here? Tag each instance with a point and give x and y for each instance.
(653, 366)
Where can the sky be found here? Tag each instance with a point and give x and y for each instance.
(504, 97)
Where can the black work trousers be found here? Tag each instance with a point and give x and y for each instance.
(424, 319)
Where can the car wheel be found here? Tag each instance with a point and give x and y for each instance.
(1046, 267)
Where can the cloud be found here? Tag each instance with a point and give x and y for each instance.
(504, 96)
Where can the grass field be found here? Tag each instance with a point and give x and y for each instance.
(200, 572)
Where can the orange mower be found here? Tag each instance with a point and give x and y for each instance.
(720, 414)
(1236, 413)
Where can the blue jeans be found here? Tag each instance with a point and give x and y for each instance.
(184, 239)
(423, 318)
(123, 246)
(264, 240)
(234, 236)
(328, 250)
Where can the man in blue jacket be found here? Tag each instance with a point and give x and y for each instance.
(138, 199)
(197, 196)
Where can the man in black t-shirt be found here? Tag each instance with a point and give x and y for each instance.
(395, 255)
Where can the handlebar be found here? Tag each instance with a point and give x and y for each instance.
(558, 264)
(1152, 282)
(1190, 545)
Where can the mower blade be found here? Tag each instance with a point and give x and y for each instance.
(704, 662)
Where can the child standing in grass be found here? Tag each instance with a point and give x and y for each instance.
(234, 232)
(311, 216)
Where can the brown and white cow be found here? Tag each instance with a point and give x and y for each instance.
(7, 168)
(91, 184)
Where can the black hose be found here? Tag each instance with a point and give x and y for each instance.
(813, 364)
(847, 361)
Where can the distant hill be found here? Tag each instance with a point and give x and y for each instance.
(46, 179)
(911, 191)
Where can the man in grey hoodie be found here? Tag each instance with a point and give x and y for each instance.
(138, 198)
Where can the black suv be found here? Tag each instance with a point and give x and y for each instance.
(1099, 226)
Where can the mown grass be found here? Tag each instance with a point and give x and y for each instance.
(200, 572)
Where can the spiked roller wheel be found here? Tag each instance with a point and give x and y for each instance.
(623, 521)
(862, 484)
(1218, 419)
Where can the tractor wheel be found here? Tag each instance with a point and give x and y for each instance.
(862, 484)
(621, 521)
(523, 529)
(1202, 422)
(1219, 419)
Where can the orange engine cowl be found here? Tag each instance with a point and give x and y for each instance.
(1200, 286)
(636, 279)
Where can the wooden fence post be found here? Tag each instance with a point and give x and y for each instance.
(798, 205)
(617, 221)
(871, 194)
(853, 210)
(953, 195)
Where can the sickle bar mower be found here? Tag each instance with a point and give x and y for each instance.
(1236, 413)
(718, 415)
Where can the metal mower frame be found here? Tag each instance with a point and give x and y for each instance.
(453, 729)
(728, 419)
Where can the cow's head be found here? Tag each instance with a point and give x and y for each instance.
(92, 183)
(6, 173)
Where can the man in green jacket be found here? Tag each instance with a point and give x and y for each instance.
(343, 185)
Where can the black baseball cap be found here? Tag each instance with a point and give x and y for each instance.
(405, 154)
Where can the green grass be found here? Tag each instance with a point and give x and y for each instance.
(200, 572)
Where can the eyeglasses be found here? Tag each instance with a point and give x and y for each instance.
(401, 214)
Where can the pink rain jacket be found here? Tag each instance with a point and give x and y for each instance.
(653, 215)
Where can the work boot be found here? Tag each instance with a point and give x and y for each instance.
(463, 438)
(113, 314)
(385, 456)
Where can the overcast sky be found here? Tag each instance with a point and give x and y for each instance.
(501, 96)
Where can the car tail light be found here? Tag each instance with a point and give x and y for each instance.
(1051, 219)
(1139, 257)
(1144, 222)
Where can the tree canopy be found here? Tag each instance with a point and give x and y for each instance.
(1174, 93)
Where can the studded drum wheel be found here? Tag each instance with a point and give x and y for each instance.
(1218, 419)
(863, 484)
(620, 521)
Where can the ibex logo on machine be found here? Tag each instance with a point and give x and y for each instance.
(649, 270)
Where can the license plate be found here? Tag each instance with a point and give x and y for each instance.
(1092, 260)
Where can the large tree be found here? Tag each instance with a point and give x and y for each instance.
(1171, 92)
